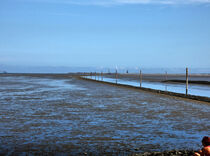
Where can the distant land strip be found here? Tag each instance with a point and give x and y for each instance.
(192, 97)
(192, 82)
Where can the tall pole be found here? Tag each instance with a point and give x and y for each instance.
(98, 75)
(95, 75)
(116, 76)
(166, 78)
(186, 81)
(140, 78)
(101, 76)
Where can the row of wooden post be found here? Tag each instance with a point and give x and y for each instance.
(140, 76)
(96, 75)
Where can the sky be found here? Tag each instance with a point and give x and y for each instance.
(105, 33)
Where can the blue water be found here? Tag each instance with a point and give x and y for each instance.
(199, 90)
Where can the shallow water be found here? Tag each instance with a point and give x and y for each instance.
(74, 116)
(193, 89)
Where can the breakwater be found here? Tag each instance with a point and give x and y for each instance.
(187, 96)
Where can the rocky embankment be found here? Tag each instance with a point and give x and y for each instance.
(168, 153)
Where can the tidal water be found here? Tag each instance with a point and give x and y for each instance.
(72, 116)
(193, 89)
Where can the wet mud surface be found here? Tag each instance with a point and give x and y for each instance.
(66, 115)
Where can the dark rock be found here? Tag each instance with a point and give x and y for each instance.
(168, 153)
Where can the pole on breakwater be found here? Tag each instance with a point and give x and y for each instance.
(140, 78)
(166, 78)
(95, 75)
(116, 76)
(186, 81)
(101, 76)
(98, 75)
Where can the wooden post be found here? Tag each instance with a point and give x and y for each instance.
(95, 75)
(165, 87)
(186, 81)
(166, 78)
(116, 76)
(101, 76)
(140, 78)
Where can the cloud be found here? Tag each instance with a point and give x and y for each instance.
(122, 2)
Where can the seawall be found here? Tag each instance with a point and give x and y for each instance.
(192, 97)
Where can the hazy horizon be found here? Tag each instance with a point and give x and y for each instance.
(75, 69)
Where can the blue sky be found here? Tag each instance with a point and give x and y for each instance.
(105, 33)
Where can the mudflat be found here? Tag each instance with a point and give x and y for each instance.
(60, 114)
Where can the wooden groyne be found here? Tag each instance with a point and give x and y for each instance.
(187, 96)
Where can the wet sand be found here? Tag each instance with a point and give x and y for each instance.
(61, 114)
